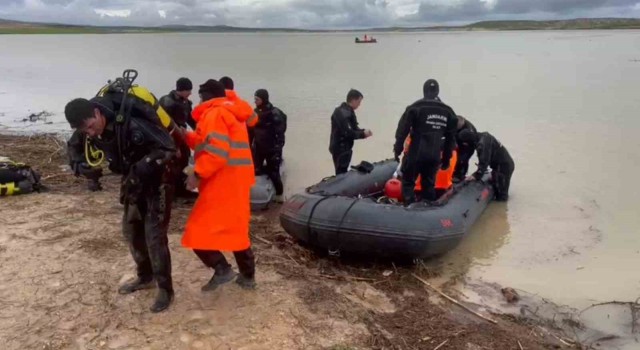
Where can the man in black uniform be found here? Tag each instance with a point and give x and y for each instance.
(465, 151)
(432, 125)
(128, 131)
(268, 140)
(344, 130)
(491, 153)
(179, 107)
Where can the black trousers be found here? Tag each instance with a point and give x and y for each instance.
(427, 171)
(145, 224)
(271, 169)
(215, 259)
(341, 161)
(501, 179)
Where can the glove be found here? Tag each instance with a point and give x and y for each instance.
(83, 169)
(277, 158)
(445, 164)
(131, 189)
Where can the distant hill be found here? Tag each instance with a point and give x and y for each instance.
(17, 27)
(225, 29)
(571, 24)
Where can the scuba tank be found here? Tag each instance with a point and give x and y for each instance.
(13, 188)
(125, 86)
(125, 83)
(17, 178)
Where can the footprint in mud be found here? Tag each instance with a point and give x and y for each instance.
(367, 296)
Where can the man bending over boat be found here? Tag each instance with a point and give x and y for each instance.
(491, 153)
(464, 152)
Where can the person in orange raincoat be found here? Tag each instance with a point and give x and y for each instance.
(444, 178)
(242, 105)
(223, 173)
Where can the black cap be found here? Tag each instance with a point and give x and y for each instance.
(184, 84)
(212, 88)
(431, 88)
(77, 111)
(227, 83)
(467, 136)
(263, 94)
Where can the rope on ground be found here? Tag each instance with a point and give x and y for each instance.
(441, 344)
(453, 300)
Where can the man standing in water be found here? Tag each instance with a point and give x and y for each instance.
(491, 153)
(432, 125)
(128, 130)
(345, 130)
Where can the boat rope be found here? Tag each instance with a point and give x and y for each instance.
(355, 200)
(313, 209)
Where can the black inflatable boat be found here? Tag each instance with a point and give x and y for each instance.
(348, 213)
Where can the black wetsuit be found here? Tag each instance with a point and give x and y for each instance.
(432, 125)
(142, 150)
(268, 141)
(344, 131)
(491, 153)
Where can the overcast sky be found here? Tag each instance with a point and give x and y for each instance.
(307, 13)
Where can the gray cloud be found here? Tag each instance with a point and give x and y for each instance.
(461, 11)
(557, 6)
(307, 13)
(477, 10)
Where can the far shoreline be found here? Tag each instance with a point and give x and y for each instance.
(18, 27)
(48, 32)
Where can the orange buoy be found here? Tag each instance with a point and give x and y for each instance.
(393, 189)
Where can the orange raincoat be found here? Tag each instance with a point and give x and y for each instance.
(243, 107)
(444, 178)
(220, 217)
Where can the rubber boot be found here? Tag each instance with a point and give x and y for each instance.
(221, 276)
(246, 282)
(163, 300)
(135, 285)
(94, 185)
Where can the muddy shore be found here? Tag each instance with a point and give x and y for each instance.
(63, 256)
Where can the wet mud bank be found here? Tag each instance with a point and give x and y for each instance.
(63, 256)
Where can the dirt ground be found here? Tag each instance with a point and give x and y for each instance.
(62, 257)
